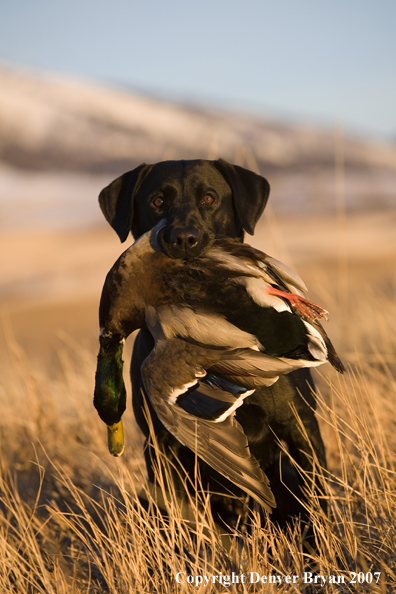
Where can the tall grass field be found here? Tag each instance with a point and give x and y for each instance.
(72, 521)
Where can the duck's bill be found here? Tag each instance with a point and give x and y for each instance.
(115, 439)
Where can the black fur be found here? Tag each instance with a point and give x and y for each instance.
(178, 192)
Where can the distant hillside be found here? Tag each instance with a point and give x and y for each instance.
(62, 140)
(66, 124)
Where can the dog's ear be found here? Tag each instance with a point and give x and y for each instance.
(250, 192)
(117, 199)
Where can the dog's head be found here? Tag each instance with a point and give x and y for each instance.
(198, 200)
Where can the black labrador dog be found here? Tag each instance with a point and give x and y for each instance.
(202, 200)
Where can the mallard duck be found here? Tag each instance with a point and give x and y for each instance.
(224, 323)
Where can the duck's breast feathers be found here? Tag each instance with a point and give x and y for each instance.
(121, 308)
(127, 287)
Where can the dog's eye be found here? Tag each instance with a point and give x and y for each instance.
(158, 202)
(208, 200)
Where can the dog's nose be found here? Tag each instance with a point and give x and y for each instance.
(183, 239)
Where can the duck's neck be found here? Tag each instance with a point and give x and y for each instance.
(110, 393)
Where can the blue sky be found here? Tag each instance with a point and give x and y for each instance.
(311, 61)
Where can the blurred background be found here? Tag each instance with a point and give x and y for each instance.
(303, 93)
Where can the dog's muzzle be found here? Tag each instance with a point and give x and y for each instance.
(181, 242)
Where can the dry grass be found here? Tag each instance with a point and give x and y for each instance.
(71, 520)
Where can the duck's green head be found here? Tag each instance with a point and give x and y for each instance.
(110, 393)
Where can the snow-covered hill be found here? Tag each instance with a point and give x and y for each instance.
(61, 140)
(61, 123)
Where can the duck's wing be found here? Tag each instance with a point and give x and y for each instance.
(282, 275)
(263, 274)
(276, 289)
(279, 336)
(247, 260)
(332, 356)
(201, 416)
(253, 369)
(223, 446)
